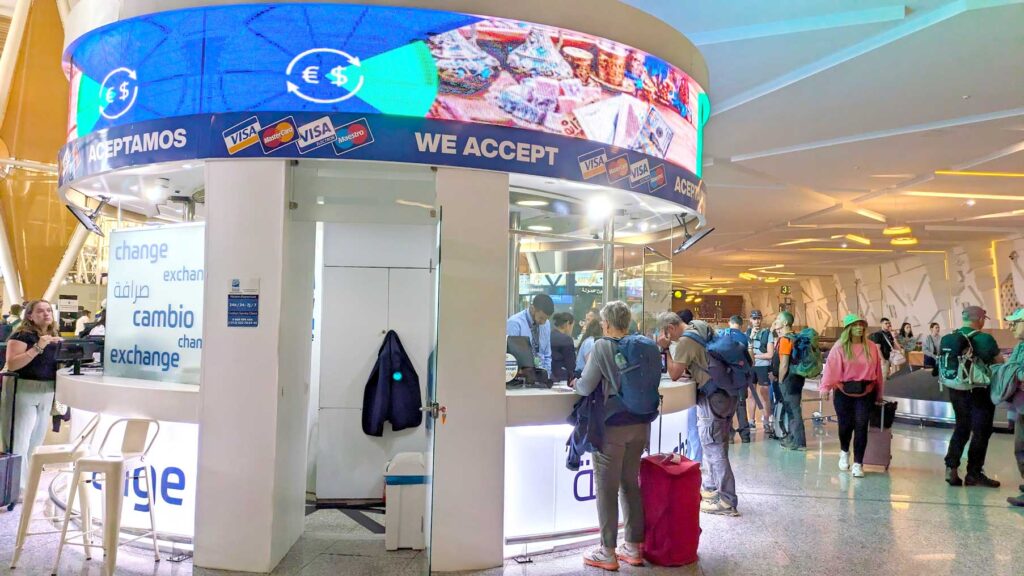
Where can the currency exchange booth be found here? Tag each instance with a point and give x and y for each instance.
(529, 150)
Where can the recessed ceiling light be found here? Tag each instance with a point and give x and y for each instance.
(134, 187)
(645, 226)
(320, 200)
(599, 208)
(971, 202)
(722, 291)
(540, 228)
(532, 203)
(845, 245)
(771, 280)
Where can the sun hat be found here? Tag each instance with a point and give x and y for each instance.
(853, 319)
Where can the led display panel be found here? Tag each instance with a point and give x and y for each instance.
(366, 61)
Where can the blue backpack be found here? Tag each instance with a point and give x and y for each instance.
(729, 365)
(639, 363)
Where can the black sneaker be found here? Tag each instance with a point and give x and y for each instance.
(953, 477)
(980, 479)
(1016, 501)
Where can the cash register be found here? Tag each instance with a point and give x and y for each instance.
(529, 374)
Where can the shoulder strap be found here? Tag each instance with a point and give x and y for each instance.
(696, 338)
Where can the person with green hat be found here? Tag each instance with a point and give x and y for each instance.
(854, 371)
(1015, 363)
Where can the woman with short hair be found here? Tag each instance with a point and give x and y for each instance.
(617, 462)
(854, 371)
(32, 354)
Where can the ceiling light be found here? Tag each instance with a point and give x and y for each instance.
(771, 280)
(540, 228)
(763, 268)
(985, 174)
(722, 291)
(962, 195)
(845, 245)
(707, 290)
(1009, 214)
(599, 209)
(970, 203)
(320, 200)
(186, 166)
(871, 214)
(748, 276)
(689, 298)
(904, 241)
(134, 187)
(698, 300)
(153, 193)
(645, 226)
(532, 203)
(896, 230)
(858, 239)
(844, 250)
(800, 241)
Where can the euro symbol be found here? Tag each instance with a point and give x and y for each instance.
(310, 75)
(110, 96)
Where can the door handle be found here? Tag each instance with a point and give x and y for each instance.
(435, 411)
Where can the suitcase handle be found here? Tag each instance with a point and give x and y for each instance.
(14, 404)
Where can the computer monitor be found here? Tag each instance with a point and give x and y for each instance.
(520, 347)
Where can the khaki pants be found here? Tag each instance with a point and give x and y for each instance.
(617, 477)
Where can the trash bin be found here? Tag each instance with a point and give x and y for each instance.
(405, 490)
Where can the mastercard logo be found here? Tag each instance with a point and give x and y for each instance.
(278, 134)
(618, 168)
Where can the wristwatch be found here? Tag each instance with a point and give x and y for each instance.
(38, 349)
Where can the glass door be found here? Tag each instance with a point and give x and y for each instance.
(657, 287)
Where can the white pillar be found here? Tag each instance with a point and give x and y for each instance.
(252, 421)
(67, 261)
(469, 453)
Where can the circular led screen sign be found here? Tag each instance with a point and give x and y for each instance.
(382, 83)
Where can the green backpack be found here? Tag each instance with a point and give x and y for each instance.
(959, 369)
(806, 357)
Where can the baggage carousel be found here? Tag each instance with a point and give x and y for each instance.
(921, 401)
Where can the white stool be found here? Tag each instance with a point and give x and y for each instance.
(134, 449)
(46, 458)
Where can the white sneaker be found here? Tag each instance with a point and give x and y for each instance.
(858, 470)
(844, 460)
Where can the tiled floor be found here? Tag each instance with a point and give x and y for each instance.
(800, 515)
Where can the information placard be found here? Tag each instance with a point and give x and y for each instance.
(155, 304)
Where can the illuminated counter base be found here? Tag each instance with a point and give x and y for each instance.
(542, 496)
(173, 457)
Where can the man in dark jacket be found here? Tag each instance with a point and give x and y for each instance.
(563, 352)
(885, 344)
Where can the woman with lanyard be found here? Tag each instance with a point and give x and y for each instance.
(854, 371)
(32, 354)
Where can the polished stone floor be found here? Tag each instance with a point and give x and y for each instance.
(800, 515)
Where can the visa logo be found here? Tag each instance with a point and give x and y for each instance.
(315, 134)
(242, 135)
(593, 164)
(639, 172)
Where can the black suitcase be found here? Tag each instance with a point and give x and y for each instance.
(10, 463)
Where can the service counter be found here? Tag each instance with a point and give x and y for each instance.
(173, 457)
(546, 504)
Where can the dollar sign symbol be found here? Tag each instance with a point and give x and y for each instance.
(124, 90)
(338, 77)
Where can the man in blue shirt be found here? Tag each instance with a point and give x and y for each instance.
(533, 323)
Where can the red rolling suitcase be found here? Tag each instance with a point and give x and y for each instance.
(879, 449)
(670, 487)
(10, 463)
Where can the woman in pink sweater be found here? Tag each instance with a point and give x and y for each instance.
(854, 371)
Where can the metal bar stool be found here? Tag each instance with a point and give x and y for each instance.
(54, 456)
(134, 449)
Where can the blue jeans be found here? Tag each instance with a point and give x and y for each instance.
(694, 451)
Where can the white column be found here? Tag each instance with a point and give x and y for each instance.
(469, 453)
(251, 477)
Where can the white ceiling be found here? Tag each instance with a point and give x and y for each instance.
(823, 107)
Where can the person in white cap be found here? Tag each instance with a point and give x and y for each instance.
(1016, 363)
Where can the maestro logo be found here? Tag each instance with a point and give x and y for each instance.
(278, 134)
(353, 135)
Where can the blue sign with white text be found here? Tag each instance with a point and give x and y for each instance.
(243, 310)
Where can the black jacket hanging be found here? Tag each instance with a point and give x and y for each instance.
(392, 391)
